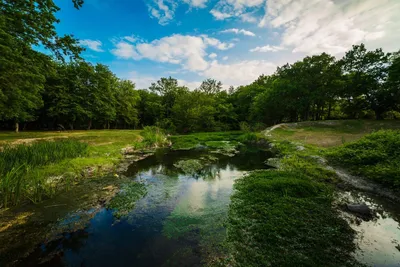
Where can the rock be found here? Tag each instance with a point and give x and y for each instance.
(319, 159)
(360, 208)
(398, 247)
(300, 148)
(273, 162)
(127, 150)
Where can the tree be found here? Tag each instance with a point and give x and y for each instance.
(127, 100)
(33, 23)
(21, 78)
(210, 86)
(366, 73)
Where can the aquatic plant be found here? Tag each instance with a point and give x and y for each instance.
(125, 200)
(190, 166)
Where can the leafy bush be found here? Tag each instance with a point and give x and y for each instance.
(154, 137)
(17, 161)
(375, 156)
(280, 218)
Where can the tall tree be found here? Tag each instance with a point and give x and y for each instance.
(366, 73)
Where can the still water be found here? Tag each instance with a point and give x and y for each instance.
(179, 222)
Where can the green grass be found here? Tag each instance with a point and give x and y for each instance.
(282, 218)
(102, 154)
(193, 140)
(18, 163)
(330, 133)
(375, 156)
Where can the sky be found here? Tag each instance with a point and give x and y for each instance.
(233, 41)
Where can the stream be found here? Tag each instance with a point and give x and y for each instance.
(178, 223)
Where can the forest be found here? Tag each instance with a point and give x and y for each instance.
(58, 90)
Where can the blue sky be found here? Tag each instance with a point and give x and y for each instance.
(233, 41)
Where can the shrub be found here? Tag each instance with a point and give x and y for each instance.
(375, 156)
(154, 137)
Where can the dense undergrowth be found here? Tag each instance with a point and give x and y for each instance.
(375, 156)
(284, 217)
(19, 162)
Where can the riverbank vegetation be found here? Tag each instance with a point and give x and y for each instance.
(34, 169)
(375, 156)
(285, 218)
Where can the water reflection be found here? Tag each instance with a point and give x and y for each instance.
(178, 223)
(377, 238)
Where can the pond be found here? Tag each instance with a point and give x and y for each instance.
(179, 222)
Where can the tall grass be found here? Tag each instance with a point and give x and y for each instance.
(154, 137)
(17, 161)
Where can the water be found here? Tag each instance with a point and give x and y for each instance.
(178, 223)
(378, 237)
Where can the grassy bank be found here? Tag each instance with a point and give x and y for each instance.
(283, 218)
(37, 165)
(286, 216)
(375, 156)
(329, 133)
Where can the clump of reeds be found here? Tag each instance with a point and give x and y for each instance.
(17, 161)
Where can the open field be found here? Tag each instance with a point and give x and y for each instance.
(329, 133)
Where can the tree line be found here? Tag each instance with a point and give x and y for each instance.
(62, 91)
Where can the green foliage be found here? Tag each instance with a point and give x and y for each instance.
(190, 166)
(18, 163)
(154, 137)
(280, 218)
(124, 202)
(193, 140)
(375, 156)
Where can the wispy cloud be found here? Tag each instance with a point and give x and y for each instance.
(94, 45)
(238, 31)
(267, 48)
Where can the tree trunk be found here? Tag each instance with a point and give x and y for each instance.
(378, 115)
(108, 125)
(71, 126)
(89, 125)
(329, 110)
(16, 127)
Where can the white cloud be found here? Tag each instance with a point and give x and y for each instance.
(220, 15)
(248, 17)
(94, 45)
(163, 10)
(267, 48)
(141, 81)
(196, 3)
(225, 58)
(315, 26)
(237, 31)
(191, 85)
(240, 73)
(235, 8)
(212, 55)
(125, 50)
(185, 50)
(217, 43)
